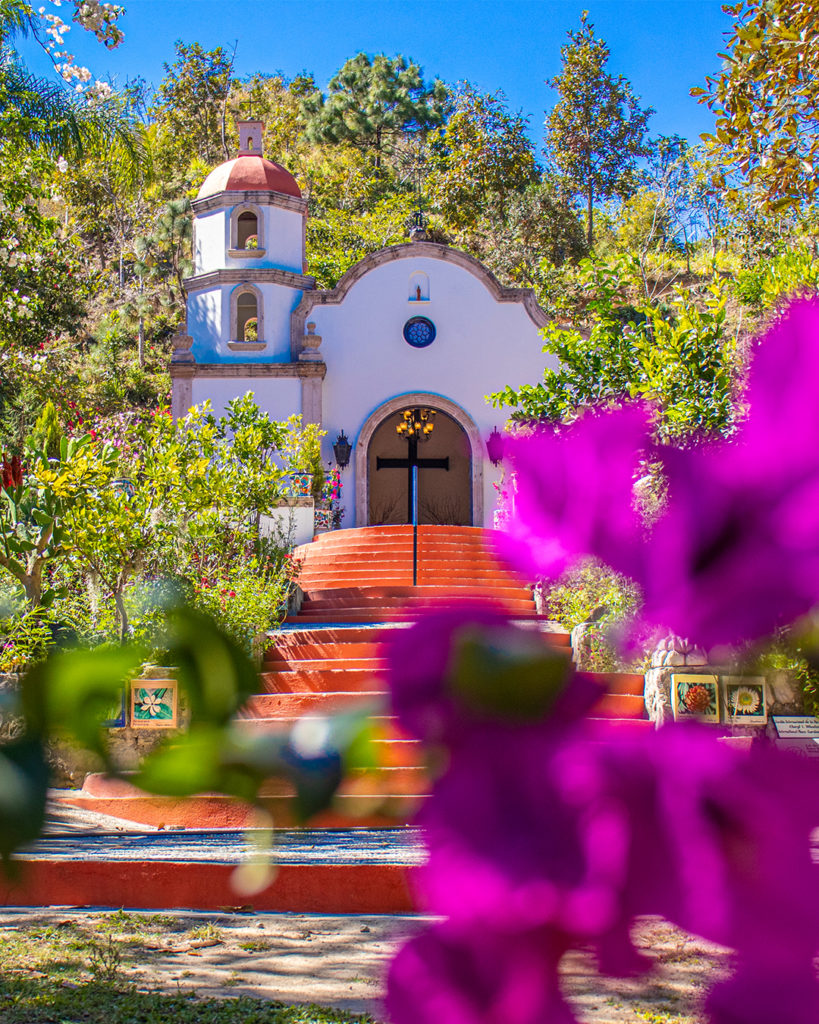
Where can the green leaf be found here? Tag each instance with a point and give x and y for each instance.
(216, 674)
(73, 692)
(500, 673)
(23, 790)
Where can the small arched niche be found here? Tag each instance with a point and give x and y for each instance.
(246, 316)
(419, 287)
(246, 231)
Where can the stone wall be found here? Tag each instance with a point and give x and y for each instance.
(69, 765)
(674, 655)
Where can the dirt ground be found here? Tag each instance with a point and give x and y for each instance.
(340, 961)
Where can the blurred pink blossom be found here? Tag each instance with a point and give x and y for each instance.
(735, 555)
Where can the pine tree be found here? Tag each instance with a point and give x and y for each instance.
(373, 102)
(46, 432)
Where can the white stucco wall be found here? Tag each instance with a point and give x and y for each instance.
(482, 344)
(209, 312)
(279, 397)
(283, 240)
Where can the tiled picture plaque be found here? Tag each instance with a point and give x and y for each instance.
(154, 704)
(745, 700)
(695, 697)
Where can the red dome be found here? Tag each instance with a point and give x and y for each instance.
(249, 174)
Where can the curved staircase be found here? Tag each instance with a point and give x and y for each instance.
(356, 584)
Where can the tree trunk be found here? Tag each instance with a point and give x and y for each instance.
(141, 334)
(589, 217)
(33, 586)
(122, 615)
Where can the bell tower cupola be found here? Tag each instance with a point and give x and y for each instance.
(248, 257)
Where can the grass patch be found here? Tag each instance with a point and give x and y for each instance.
(83, 972)
(29, 1001)
(256, 945)
(206, 933)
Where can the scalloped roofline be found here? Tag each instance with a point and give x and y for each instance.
(432, 250)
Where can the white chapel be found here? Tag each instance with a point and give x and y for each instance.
(416, 333)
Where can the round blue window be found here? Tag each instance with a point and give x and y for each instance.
(419, 332)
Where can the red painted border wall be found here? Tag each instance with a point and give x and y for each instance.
(307, 889)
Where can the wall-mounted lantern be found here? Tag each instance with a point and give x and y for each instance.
(342, 449)
(495, 445)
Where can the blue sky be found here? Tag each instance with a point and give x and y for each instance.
(662, 46)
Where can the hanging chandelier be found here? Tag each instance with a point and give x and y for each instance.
(416, 424)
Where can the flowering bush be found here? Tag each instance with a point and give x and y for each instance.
(547, 833)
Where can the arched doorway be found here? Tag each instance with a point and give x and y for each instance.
(444, 457)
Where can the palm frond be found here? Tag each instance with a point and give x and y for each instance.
(15, 19)
(65, 125)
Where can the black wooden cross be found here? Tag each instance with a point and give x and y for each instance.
(408, 464)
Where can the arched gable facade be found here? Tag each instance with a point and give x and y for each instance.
(413, 250)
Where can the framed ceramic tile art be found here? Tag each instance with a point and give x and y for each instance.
(695, 697)
(745, 702)
(154, 704)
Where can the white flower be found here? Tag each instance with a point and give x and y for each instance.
(62, 165)
(151, 704)
(745, 700)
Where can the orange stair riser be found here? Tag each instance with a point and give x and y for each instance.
(339, 664)
(385, 727)
(331, 635)
(340, 681)
(218, 812)
(616, 705)
(294, 705)
(321, 651)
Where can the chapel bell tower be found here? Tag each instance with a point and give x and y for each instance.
(248, 253)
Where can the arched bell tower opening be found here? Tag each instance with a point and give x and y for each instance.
(447, 450)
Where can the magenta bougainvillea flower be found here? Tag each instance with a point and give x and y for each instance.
(459, 976)
(736, 553)
(574, 493)
(544, 837)
(422, 664)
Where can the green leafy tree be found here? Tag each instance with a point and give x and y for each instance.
(42, 284)
(597, 129)
(766, 100)
(47, 432)
(165, 254)
(35, 504)
(189, 109)
(338, 238)
(104, 196)
(276, 102)
(537, 230)
(679, 355)
(374, 103)
(481, 155)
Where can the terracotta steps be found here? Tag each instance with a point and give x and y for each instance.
(295, 704)
(327, 659)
